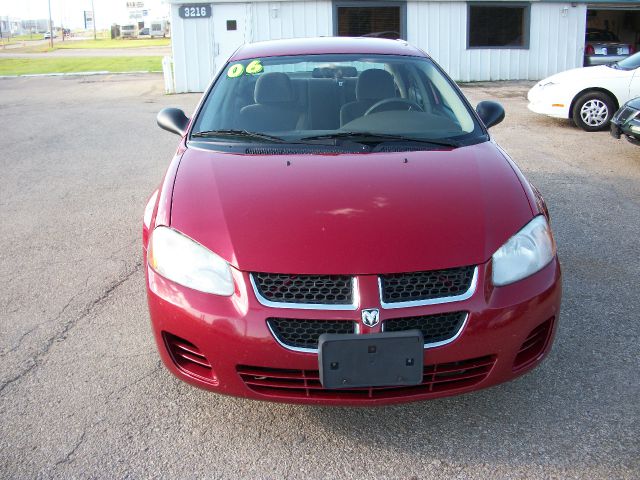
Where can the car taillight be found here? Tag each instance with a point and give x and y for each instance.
(589, 50)
(632, 49)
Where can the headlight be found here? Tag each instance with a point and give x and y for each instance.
(184, 261)
(634, 123)
(527, 252)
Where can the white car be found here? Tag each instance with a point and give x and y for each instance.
(590, 96)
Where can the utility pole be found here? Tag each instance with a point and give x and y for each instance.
(93, 14)
(50, 27)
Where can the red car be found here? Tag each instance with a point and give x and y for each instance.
(337, 227)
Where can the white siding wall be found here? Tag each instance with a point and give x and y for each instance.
(192, 49)
(556, 42)
(293, 19)
(193, 40)
(439, 27)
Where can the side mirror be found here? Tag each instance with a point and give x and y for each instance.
(173, 120)
(491, 113)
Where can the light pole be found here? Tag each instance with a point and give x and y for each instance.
(50, 27)
(93, 14)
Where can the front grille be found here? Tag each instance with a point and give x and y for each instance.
(438, 378)
(305, 333)
(435, 328)
(534, 345)
(419, 286)
(305, 289)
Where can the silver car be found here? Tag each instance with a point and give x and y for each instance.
(603, 47)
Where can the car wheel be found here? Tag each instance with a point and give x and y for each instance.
(592, 111)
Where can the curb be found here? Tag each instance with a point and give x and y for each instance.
(71, 74)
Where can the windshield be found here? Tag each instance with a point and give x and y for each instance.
(601, 36)
(630, 63)
(300, 98)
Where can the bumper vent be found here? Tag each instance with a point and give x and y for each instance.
(442, 327)
(422, 286)
(304, 289)
(306, 383)
(304, 334)
(534, 345)
(188, 357)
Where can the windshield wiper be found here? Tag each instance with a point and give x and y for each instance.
(372, 136)
(238, 133)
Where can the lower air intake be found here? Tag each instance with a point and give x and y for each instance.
(437, 378)
(188, 357)
(534, 345)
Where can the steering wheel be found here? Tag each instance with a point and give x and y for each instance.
(393, 104)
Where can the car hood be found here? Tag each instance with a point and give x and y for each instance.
(633, 103)
(585, 74)
(350, 214)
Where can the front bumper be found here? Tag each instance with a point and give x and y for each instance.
(232, 335)
(594, 60)
(544, 101)
(621, 126)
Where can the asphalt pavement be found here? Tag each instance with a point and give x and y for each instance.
(82, 390)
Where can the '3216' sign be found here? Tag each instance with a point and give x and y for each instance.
(194, 11)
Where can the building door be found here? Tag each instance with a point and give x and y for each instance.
(375, 19)
(230, 26)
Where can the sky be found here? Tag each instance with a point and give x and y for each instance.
(69, 13)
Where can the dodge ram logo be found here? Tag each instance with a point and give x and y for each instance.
(371, 317)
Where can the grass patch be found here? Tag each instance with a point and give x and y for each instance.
(99, 44)
(21, 38)
(25, 66)
(115, 43)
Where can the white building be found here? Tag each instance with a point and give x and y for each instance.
(472, 40)
(10, 26)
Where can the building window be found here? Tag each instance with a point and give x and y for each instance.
(493, 25)
(369, 19)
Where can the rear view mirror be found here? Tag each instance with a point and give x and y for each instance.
(491, 113)
(173, 120)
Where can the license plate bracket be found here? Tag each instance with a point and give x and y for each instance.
(374, 360)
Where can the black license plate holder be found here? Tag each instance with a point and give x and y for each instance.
(375, 360)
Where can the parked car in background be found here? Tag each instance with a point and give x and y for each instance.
(144, 32)
(626, 121)
(47, 35)
(603, 47)
(348, 240)
(129, 31)
(588, 95)
(158, 28)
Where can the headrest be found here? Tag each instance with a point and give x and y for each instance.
(375, 84)
(274, 87)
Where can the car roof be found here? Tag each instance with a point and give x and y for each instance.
(326, 45)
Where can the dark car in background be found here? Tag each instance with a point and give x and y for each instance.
(603, 47)
(626, 121)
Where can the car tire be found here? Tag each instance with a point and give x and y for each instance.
(593, 110)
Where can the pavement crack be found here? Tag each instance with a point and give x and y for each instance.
(67, 458)
(133, 383)
(33, 329)
(37, 359)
